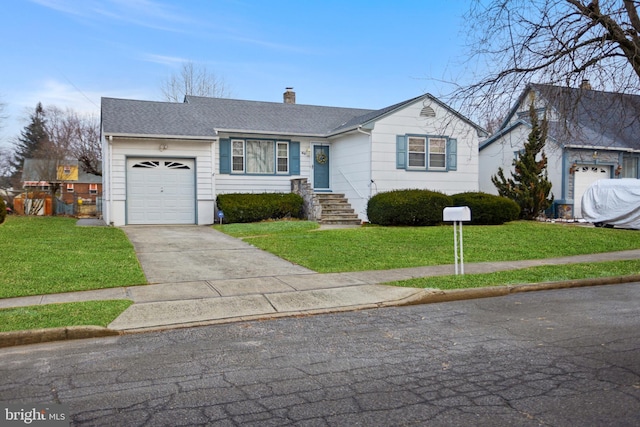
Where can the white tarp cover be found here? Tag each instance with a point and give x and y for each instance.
(613, 202)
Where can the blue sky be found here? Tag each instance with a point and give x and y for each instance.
(366, 54)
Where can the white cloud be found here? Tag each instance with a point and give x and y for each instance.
(163, 59)
(143, 13)
(63, 95)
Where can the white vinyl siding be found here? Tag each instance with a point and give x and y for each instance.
(123, 148)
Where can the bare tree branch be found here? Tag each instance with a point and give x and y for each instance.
(559, 42)
(193, 80)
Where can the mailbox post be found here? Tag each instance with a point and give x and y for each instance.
(457, 214)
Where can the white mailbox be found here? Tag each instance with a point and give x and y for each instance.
(455, 214)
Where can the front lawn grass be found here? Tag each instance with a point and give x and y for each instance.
(46, 255)
(88, 313)
(526, 275)
(381, 248)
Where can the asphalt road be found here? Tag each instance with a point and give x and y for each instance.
(552, 358)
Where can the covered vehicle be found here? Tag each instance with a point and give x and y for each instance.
(613, 203)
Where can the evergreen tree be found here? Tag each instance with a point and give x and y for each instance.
(33, 138)
(529, 185)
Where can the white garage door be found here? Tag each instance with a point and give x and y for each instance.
(161, 191)
(585, 175)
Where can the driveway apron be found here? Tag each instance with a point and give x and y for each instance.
(171, 254)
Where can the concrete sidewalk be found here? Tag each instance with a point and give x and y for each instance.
(201, 276)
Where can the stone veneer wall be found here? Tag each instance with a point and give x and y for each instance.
(312, 208)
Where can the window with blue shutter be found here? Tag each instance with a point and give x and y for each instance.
(241, 156)
(426, 153)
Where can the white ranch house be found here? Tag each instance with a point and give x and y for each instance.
(165, 163)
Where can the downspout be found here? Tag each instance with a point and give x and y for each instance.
(359, 129)
(106, 183)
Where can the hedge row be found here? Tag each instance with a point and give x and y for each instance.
(258, 207)
(423, 207)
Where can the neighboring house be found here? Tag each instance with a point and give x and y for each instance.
(592, 135)
(73, 183)
(165, 163)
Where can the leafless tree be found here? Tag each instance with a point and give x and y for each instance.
(559, 42)
(5, 168)
(193, 80)
(74, 136)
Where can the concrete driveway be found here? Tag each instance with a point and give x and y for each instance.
(173, 254)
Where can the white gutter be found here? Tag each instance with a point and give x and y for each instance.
(602, 148)
(370, 151)
(271, 132)
(149, 136)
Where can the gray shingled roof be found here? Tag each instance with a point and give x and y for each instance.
(593, 118)
(202, 117)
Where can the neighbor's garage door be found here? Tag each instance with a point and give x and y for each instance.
(585, 175)
(160, 191)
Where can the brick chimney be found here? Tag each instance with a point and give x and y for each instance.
(289, 96)
(585, 84)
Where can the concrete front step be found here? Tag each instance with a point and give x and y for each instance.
(341, 221)
(336, 210)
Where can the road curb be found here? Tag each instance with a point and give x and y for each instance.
(422, 296)
(429, 296)
(36, 336)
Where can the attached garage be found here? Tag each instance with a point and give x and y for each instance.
(585, 175)
(161, 191)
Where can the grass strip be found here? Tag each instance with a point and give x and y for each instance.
(45, 255)
(381, 248)
(87, 313)
(526, 275)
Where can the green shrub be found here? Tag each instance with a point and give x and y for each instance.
(258, 207)
(3, 210)
(488, 209)
(407, 207)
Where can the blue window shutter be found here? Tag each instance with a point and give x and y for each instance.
(401, 152)
(452, 154)
(225, 155)
(294, 158)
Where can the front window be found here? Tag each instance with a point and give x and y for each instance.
(417, 152)
(283, 157)
(427, 153)
(69, 188)
(93, 188)
(238, 156)
(259, 156)
(630, 167)
(437, 153)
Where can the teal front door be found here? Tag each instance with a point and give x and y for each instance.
(321, 167)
